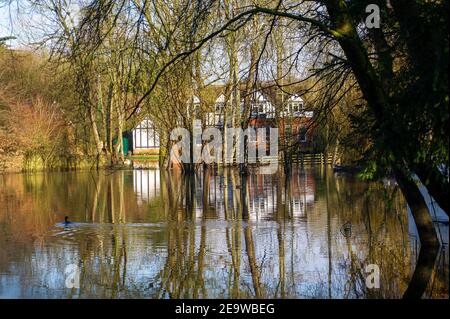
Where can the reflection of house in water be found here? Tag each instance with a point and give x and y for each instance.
(210, 194)
(209, 191)
(146, 185)
(295, 197)
(263, 195)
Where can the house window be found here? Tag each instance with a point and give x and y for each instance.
(261, 109)
(219, 106)
(302, 136)
(269, 110)
(252, 134)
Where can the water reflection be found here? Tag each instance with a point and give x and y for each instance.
(148, 233)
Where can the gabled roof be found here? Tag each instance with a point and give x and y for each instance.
(221, 98)
(260, 97)
(263, 92)
(295, 98)
(196, 100)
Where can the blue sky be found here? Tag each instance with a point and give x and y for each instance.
(8, 27)
(26, 22)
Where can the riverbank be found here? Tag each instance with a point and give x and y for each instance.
(17, 164)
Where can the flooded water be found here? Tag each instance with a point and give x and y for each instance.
(153, 234)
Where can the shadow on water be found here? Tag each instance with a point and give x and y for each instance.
(212, 234)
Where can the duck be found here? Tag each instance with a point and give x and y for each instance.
(66, 221)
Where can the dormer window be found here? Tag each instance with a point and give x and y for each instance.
(219, 107)
(295, 106)
(262, 107)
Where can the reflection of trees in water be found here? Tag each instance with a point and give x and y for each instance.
(381, 238)
(344, 200)
(211, 234)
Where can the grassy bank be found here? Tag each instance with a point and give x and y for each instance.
(153, 157)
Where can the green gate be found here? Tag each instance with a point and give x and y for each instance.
(125, 144)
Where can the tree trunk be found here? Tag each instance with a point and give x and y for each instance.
(98, 143)
(376, 98)
(436, 185)
(427, 234)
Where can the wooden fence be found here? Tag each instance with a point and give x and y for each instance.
(310, 159)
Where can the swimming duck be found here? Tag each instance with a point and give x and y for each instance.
(66, 221)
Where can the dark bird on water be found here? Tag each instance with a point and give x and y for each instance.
(66, 221)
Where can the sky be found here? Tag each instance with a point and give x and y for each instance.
(9, 27)
(30, 27)
(20, 23)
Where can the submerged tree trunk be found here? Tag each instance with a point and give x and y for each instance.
(377, 99)
(427, 234)
(436, 185)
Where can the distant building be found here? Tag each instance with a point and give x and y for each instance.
(145, 139)
(293, 120)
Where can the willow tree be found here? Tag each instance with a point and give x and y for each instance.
(409, 136)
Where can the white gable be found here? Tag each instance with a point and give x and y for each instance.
(296, 98)
(260, 97)
(221, 99)
(196, 100)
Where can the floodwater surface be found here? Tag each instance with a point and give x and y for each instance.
(154, 234)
